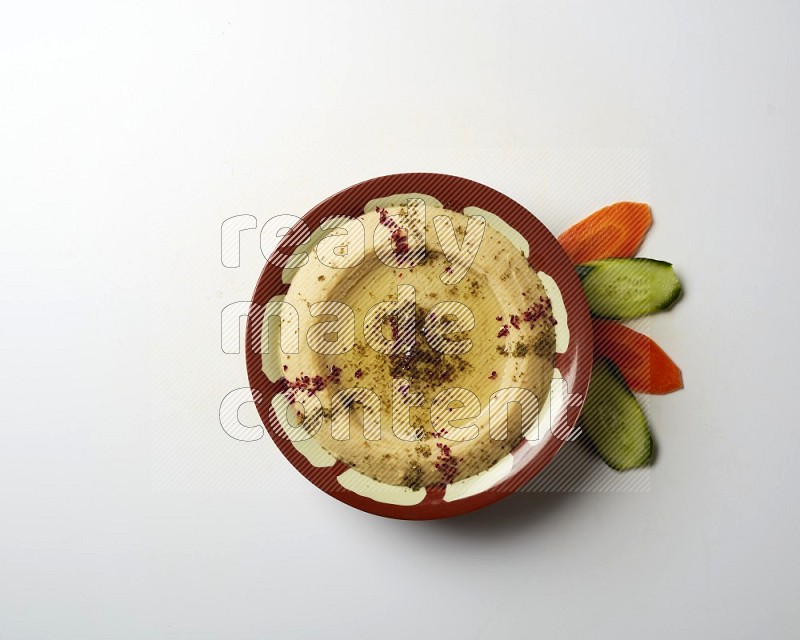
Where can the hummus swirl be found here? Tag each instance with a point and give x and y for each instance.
(468, 315)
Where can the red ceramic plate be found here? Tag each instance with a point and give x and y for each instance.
(573, 364)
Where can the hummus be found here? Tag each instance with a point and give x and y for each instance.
(426, 345)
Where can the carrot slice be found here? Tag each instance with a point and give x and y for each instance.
(615, 231)
(643, 364)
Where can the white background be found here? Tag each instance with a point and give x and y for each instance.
(128, 132)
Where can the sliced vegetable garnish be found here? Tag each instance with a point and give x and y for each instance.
(614, 421)
(624, 288)
(615, 231)
(643, 364)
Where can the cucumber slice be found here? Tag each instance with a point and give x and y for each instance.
(624, 288)
(614, 421)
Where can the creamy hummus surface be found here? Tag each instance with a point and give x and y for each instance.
(423, 336)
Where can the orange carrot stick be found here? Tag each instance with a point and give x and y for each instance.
(615, 231)
(643, 364)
